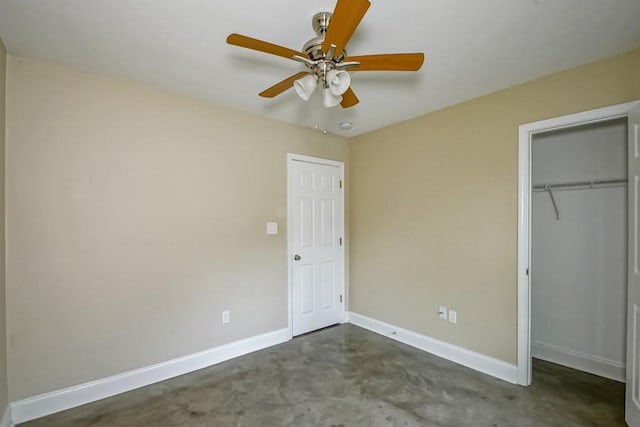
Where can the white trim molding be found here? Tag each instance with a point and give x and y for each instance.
(60, 400)
(525, 134)
(582, 361)
(6, 418)
(462, 356)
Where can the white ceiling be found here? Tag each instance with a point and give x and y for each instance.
(472, 47)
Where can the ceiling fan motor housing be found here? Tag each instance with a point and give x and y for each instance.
(313, 47)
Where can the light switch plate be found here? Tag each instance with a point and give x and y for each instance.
(272, 228)
(442, 312)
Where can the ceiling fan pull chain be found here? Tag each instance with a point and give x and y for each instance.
(315, 108)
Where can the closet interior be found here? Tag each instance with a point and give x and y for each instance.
(579, 247)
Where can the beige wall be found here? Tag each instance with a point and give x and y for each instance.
(135, 217)
(434, 206)
(3, 329)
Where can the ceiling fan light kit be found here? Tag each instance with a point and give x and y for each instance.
(325, 58)
(334, 84)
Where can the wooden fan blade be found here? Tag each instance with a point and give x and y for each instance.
(278, 88)
(262, 46)
(349, 99)
(388, 62)
(346, 17)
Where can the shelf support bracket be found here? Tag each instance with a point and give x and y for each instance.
(553, 201)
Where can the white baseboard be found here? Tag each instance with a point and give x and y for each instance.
(48, 403)
(581, 361)
(477, 361)
(60, 400)
(6, 418)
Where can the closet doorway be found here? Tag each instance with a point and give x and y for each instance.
(579, 247)
(630, 112)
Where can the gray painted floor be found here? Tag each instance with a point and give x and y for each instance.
(346, 376)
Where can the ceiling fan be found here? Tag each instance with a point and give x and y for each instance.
(326, 59)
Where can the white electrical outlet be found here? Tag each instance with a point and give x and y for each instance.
(442, 312)
(453, 316)
(226, 316)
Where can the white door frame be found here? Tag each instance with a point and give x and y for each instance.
(526, 132)
(300, 158)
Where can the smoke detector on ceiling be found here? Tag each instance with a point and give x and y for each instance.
(346, 125)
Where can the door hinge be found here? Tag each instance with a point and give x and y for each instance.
(527, 271)
(340, 297)
(340, 183)
(341, 241)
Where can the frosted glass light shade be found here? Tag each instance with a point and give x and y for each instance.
(305, 86)
(338, 81)
(331, 100)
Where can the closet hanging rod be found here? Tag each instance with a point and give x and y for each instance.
(593, 183)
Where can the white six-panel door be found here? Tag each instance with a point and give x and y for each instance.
(316, 243)
(632, 404)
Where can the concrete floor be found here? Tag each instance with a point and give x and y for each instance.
(347, 376)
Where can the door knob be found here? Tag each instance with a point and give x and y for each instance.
(297, 257)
